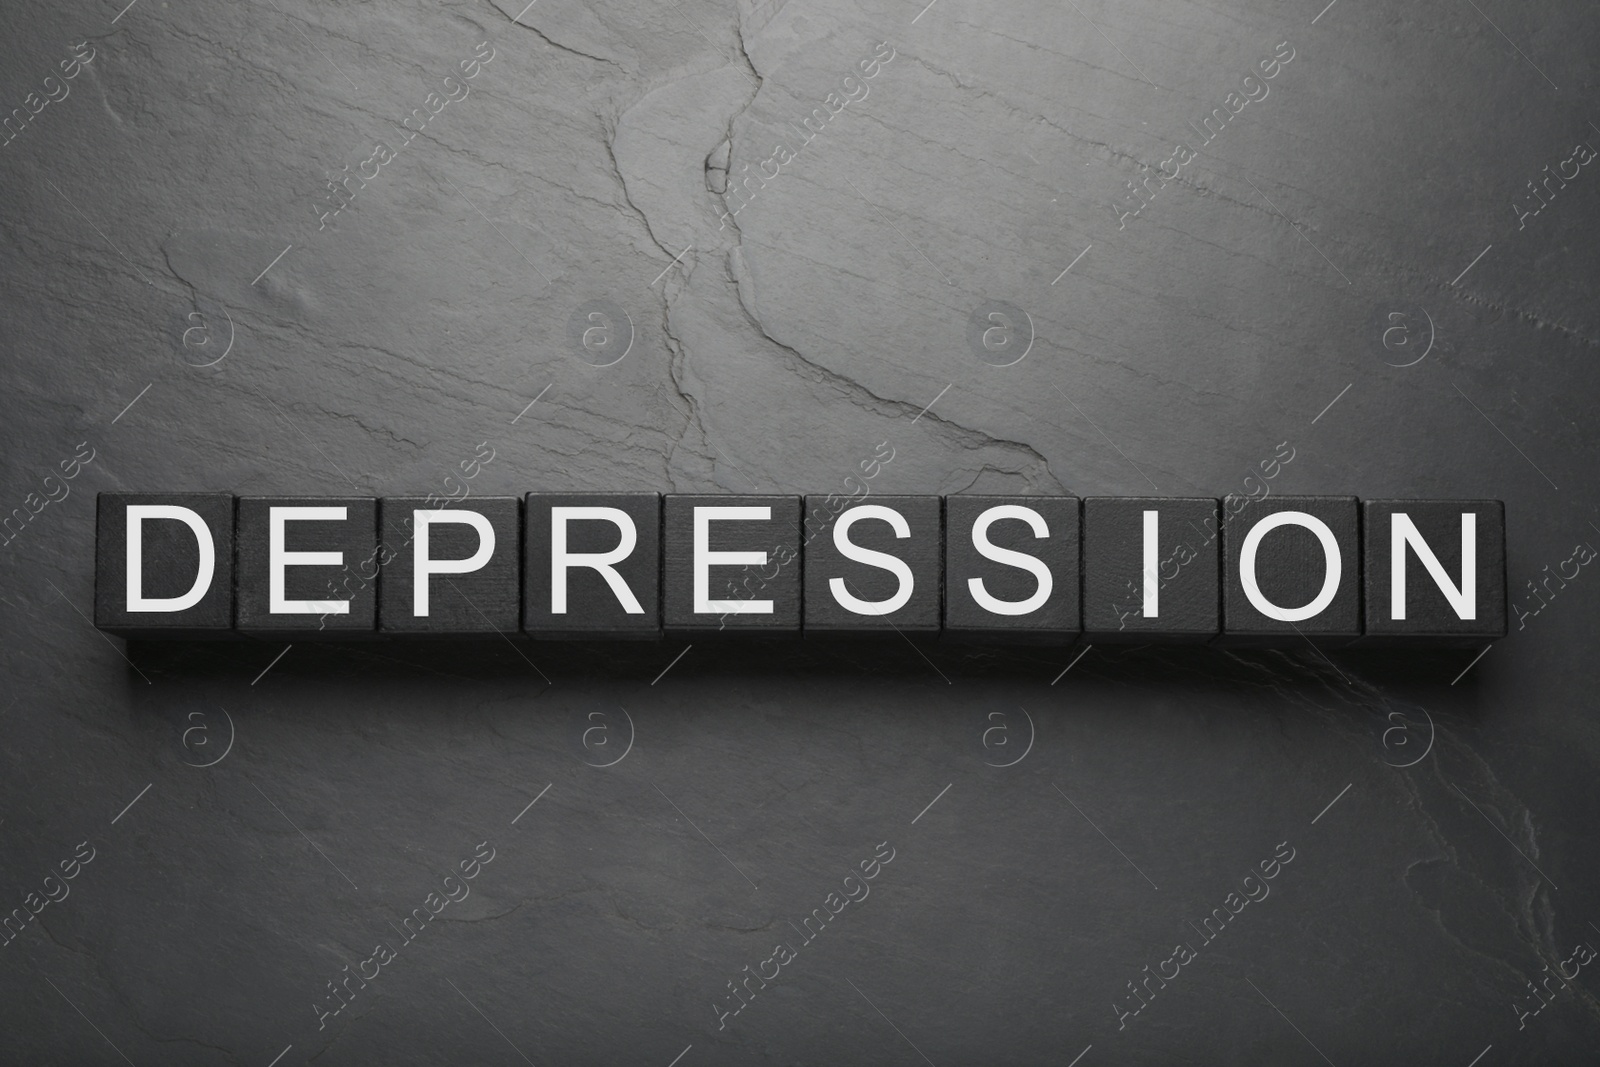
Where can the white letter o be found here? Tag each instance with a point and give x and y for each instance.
(1247, 566)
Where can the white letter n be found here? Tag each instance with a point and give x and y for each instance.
(1403, 532)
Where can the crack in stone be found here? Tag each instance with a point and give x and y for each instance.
(1520, 315)
(859, 394)
(554, 43)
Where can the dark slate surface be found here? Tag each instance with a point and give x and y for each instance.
(1345, 287)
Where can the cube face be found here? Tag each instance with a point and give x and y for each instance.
(1014, 599)
(1183, 557)
(470, 557)
(182, 563)
(877, 568)
(307, 566)
(1405, 601)
(1303, 579)
(744, 576)
(617, 565)
(573, 594)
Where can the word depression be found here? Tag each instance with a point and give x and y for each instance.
(1332, 570)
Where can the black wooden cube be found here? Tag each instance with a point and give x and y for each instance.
(877, 568)
(164, 564)
(731, 565)
(1011, 568)
(452, 570)
(1417, 589)
(1151, 569)
(307, 566)
(1291, 572)
(592, 565)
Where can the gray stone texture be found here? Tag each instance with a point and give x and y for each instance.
(1361, 236)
